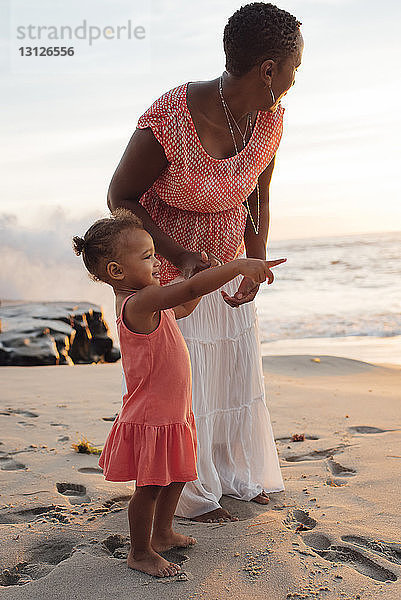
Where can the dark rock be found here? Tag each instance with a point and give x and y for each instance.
(54, 333)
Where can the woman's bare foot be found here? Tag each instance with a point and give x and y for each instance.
(161, 543)
(215, 516)
(261, 498)
(153, 564)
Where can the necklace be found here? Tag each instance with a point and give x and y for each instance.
(248, 122)
(228, 112)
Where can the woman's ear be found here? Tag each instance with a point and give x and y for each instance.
(114, 270)
(267, 70)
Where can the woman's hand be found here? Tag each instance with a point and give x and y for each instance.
(255, 272)
(194, 262)
(246, 293)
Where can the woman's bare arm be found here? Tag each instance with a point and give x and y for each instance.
(255, 244)
(141, 164)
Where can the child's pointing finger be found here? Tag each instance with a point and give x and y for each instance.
(274, 263)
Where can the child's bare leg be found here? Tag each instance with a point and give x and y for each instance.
(142, 556)
(164, 537)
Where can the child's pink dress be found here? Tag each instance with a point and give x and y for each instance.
(153, 439)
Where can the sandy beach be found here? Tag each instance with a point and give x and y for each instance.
(334, 533)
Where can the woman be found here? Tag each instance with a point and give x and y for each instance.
(197, 172)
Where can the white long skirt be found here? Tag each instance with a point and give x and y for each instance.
(237, 455)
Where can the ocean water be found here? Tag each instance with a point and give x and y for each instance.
(333, 287)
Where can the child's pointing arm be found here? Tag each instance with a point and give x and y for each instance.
(154, 298)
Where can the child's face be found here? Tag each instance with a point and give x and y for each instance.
(138, 264)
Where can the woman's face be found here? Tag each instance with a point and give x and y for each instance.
(283, 76)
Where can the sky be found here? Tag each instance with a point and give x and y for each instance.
(66, 121)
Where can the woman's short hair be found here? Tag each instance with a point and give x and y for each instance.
(257, 32)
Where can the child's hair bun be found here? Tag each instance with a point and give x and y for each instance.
(78, 245)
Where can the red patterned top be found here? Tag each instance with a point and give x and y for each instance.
(198, 200)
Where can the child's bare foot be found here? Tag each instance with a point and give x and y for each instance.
(163, 542)
(153, 564)
(215, 516)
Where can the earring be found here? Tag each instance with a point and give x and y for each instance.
(272, 95)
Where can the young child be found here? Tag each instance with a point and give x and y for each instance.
(153, 439)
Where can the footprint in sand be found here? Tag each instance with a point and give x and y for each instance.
(335, 482)
(23, 573)
(96, 470)
(31, 514)
(366, 429)
(117, 545)
(348, 556)
(299, 520)
(390, 551)
(41, 560)
(75, 492)
(52, 550)
(116, 504)
(18, 411)
(9, 464)
(116, 500)
(338, 471)
(316, 454)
